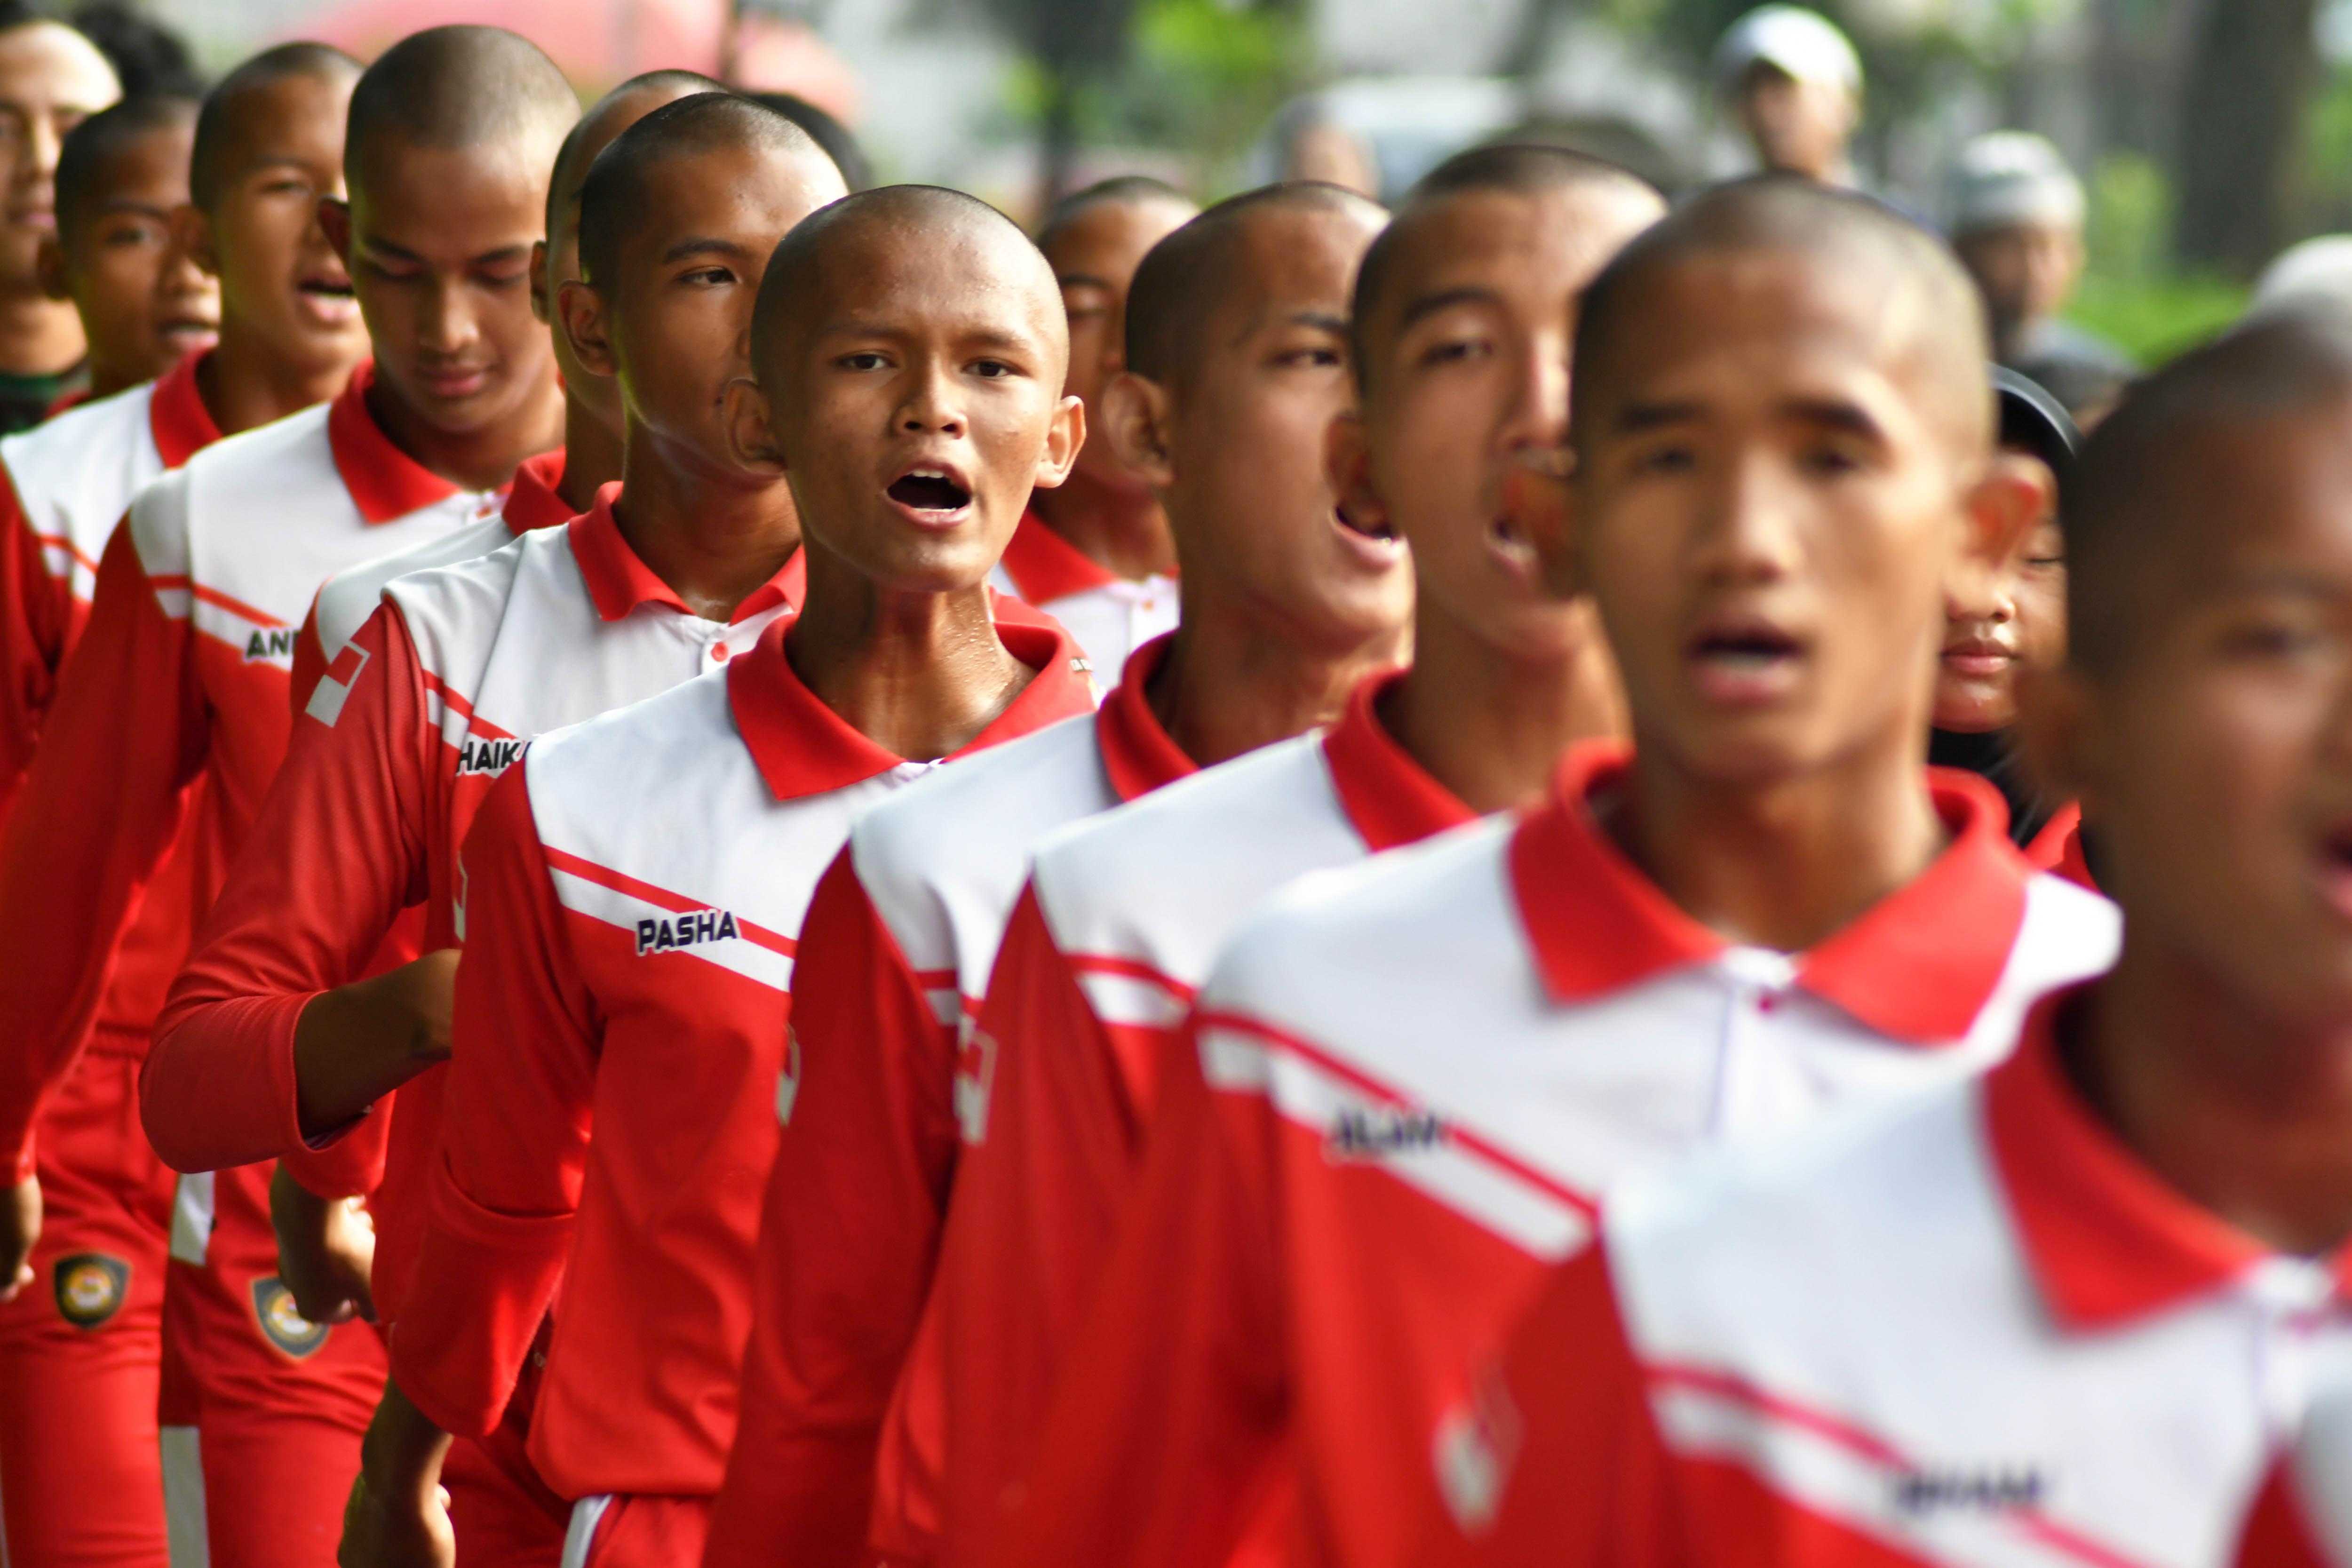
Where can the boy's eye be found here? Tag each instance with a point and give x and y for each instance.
(1317, 356)
(1829, 460)
(993, 368)
(2270, 636)
(1666, 459)
(1457, 351)
(866, 359)
(710, 277)
(286, 187)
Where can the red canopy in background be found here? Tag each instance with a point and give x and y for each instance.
(599, 42)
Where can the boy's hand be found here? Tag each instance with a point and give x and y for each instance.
(398, 1515)
(20, 1231)
(325, 1251)
(358, 1043)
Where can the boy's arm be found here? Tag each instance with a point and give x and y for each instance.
(1156, 1449)
(96, 815)
(1558, 1460)
(867, 1150)
(501, 1200)
(36, 625)
(336, 853)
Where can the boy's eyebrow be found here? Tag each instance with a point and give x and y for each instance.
(1836, 412)
(1081, 281)
(377, 243)
(1445, 299)
(1636, 418)
(1321, 320)
(135, 204)
(703, 245)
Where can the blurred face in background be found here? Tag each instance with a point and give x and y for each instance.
(51, 79)
(1796, 127)
(1095, 256)
(2026, 271)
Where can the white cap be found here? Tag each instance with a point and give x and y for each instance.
(2011, 177)
(2316, 272)
(1805, 43)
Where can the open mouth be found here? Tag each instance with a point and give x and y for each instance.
(932, 490)
(1506, 538)
(1384, 533)
(1746, 662)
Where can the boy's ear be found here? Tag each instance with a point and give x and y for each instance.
(335, 222)
(49, 267)
(1134, 423)
(1347, 465)
(580, 317)
(1063, 436)
(2057, 716)
(191, 235)
(2015, 493)
(750, 439)
(542, 306)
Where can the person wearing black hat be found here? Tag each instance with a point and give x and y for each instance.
(1976, 681)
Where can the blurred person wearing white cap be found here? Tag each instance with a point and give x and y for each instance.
(1795, 82)
(2316, 272)
(2017, 222)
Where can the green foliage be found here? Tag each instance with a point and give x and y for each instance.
(2157, 317)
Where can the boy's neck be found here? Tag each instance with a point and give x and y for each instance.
(1781, 865)
(1490, 728)
(39, 335)
(1122, 531)
(2248, 1116)
(592, 457)
(714, 538)
(1233, 682)
(919, 673)
(243, 384)
(480, 459)
(105, 381)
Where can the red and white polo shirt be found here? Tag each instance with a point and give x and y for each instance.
(1972, 1330)
(1110, 615)
(425, 708)
(898, 946)
(66, 485)
(347, 599)
(1117, 928)
(632, 900)
(1411, 1084)
(175, 701)
(2304, 1517)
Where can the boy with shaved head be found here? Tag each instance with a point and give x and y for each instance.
(1410, 1083)
(274, 1041)
(2080, 1305)
(52, 79)
(87, 1339)
(1095, 554)
(1240, 321)
(633, 886)
(176, 707)
(143, 302)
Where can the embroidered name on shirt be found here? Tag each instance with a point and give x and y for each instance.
(275, 643)
(493, 757)
(1985, 1491)
(1375, 1135)
(689, 930)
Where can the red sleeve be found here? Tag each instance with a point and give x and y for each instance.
(335, 853)
(36, 625)
(1036, 1207)
(309, 663)
(867, 1150)
(1160, 1453)
(93, 819)
(514, 1131)
(1561, 1460)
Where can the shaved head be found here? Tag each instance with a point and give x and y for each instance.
(620, 180)
(1190, 274)
(1929, 320)
(816, 271)
(606, 119)
(88, 148)
(226, 131)
(1120, 190)
(1507, 169)
(2164, 468)
(458, 87)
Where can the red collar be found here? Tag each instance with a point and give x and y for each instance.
(1390, 798)
(531, 499)
(618, 582)
(176, 415)
(2107, 1240)
(384, 482)
(1917, 966)
(805, 748)
(1043, 566)
(1137, 753)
